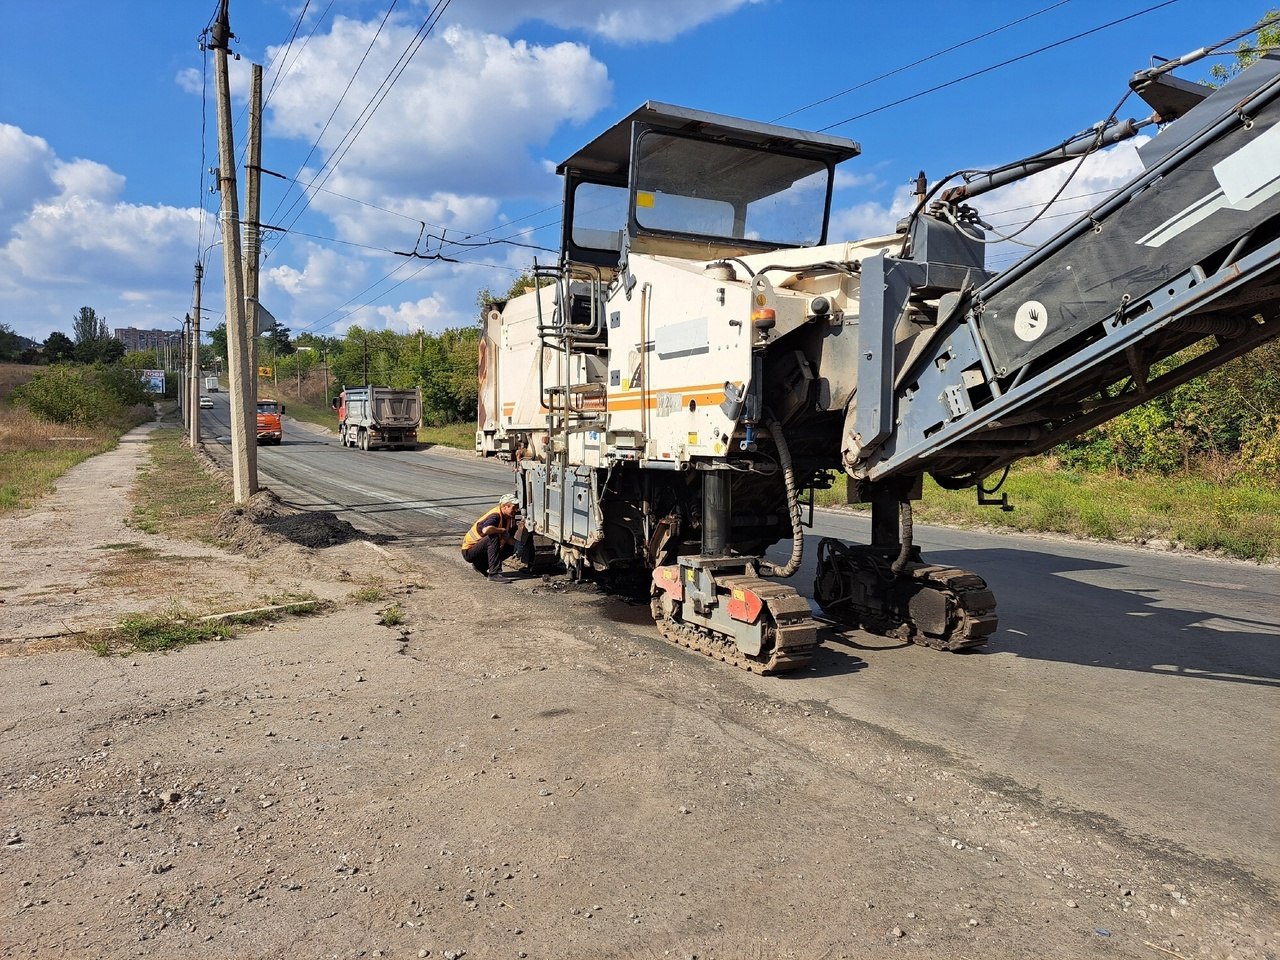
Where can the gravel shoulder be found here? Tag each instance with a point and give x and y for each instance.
(511, 771)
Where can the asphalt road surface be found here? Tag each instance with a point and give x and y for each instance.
(1136, 688)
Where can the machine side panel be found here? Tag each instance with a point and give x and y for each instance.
(676, 343)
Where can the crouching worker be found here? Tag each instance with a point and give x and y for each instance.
(492, 539)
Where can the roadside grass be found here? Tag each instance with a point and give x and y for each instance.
(158, 633)
(34, 454)
(1239, 518)
(370, 593)
(392, 616)
(14, 375)
(309, 412)
(461, 436)
(175, 495)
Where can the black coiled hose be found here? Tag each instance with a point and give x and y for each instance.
(793, 505)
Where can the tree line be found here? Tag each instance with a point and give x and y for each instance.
(90, 342)
(442, 364)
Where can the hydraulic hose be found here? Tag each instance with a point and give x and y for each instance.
(793, 505)
(907, 531)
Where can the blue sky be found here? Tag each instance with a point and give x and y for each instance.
(107, 124)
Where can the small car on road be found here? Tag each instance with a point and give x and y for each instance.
(206, 402)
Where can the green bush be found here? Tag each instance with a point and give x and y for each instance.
(1260, 448)
(1227, 413)
(87, 395)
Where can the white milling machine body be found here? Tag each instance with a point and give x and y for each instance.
(703, 357)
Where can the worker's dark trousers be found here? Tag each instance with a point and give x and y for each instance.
(488, 554)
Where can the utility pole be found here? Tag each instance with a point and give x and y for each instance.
(253, 247)
(193, 384)
(183, 400)
(239, 353)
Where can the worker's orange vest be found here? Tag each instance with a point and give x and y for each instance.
(473, 535)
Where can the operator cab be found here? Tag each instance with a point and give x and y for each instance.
(678, 182)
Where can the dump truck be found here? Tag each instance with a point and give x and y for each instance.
(270, 423)
(370, 417)
(704, 356)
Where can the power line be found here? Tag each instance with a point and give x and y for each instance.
(916, 63)
(487, 240)
(284, 56)
(997, 66)
(379, 96)
(345, 90)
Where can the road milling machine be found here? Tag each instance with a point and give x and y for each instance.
(703, 356)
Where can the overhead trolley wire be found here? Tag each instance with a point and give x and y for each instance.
(379, 96)
(995, 66)
(283, 57)
(345, 90)
(916, 63)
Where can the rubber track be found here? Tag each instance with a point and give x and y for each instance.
(794, 630)
(973, 617)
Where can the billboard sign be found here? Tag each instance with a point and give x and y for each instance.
(153, 380)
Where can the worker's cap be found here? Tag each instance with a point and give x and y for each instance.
(509, 498)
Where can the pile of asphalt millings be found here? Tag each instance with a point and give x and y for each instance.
(264, 522)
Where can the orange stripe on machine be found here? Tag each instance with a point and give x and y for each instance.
(700, 395)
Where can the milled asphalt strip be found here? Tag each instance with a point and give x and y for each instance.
(366, 493)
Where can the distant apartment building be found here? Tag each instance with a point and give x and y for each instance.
(135, 339)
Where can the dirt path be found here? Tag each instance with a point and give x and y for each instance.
(503, 775)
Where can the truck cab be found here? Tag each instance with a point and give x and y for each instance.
(270, 427)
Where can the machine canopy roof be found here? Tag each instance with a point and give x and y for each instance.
(608, 156)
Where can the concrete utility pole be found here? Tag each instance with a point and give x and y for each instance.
(253, 244)
(239, 353)
(193, 384)
(184, 401)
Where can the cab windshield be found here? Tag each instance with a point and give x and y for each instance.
(712, 189)
(268, 406)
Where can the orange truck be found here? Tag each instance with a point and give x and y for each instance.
(270, 428)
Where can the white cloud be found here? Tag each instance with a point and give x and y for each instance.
(861, 221)
(70, 241)
(26, 175)
(465, 117)
(88, 180)
(424, 314)
(624, 22)
(1009, 209)
(310, 290)
(852, 180)
(464, 122)
(190, 80)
